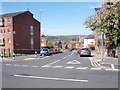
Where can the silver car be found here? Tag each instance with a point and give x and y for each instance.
(85, 52)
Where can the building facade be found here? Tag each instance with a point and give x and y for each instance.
(43, 41)
(19, 30)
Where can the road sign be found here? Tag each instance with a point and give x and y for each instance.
(74, 62)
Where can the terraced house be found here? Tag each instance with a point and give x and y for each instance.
(19, 31)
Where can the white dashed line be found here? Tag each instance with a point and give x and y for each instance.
(69, 67)
(82, 68)
(8, 64)
(25, 65)
(34, 66)
(57, 66)
(95, 68)
(16, 65)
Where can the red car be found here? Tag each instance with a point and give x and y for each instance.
(52, 51)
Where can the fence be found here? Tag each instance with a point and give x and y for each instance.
(19, 52)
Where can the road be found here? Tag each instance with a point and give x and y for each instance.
(64, 70)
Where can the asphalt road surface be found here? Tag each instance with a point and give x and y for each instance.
(64, 70)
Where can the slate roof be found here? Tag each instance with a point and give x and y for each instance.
(11, 14)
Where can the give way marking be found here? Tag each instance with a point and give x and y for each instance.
(50, 78)
(74, 62)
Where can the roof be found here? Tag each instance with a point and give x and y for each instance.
(12, 14)
(90, 37)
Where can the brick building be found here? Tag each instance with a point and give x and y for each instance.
(43, 41)
(19, 30)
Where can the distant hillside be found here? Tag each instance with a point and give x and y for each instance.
(63, 37)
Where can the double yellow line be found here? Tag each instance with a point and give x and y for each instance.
(93, 63)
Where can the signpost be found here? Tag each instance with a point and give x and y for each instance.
(102, 38)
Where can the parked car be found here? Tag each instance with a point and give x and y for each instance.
(60, 51)
(52, 51)
(84, 52)
(45, 52)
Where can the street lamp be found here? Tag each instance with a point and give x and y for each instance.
(40, 25)
(41, 15)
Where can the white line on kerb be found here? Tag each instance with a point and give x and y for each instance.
(50, 78)
(112, 65)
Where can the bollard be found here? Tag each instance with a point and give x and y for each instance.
(2, 56)
(35, 54)
(13, 56)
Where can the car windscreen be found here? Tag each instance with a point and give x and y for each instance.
(45, 49)
(85, 49)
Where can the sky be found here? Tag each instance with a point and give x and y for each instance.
(57, 18)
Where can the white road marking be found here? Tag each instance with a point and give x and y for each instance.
(112, 65)
(64, 57)
(25, 65)
(69, 67)
(69, 55)
(8, 64)
(51, 78)
(16, 65)
(57, 66)
(95, 68)
(82, 68)
(46, 66)
(52, 63)
(34, 66)
(74, 62)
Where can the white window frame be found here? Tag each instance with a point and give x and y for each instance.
(9, 40)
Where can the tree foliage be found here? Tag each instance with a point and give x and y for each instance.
(49, 43)
(107, 20)
(60, 44)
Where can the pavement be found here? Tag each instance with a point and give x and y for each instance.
(110, 62)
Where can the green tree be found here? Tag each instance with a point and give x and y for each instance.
(66, 47)
(60, 44)
(49, 44)
(107, 21)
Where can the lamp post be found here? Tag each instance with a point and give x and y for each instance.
(40, 26)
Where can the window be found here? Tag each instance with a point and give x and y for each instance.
(8, 30)
(4, 31)
(1, 21)
(0, 31)
(8, 20)
(9, 40)
(1, 41)
(31, 30)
